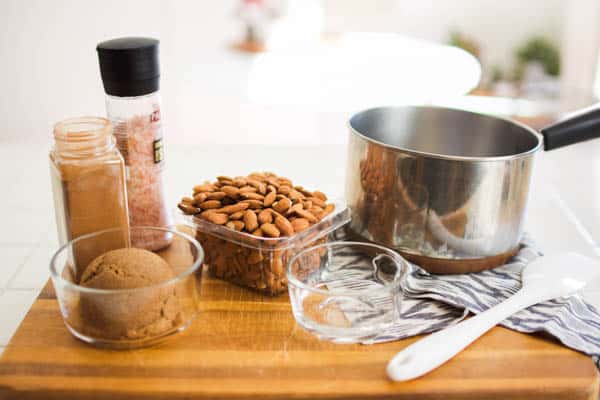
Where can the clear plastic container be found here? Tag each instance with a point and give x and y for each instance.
(258, 262)
(346, 292)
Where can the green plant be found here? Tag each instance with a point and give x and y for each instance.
(541, 50)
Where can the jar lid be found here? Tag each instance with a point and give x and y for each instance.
(129, 66)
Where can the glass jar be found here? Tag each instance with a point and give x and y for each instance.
(88, 184)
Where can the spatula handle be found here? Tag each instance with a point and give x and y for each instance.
(434, 350)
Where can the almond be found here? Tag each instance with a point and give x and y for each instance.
(292, 210)
(231, 191)
(250, 220)
(188, 209)
(254, 204)
(270, 198)
(239, 181)
(300, 224)
(237, 215)
(215, 196)
(265, 216)
(206, 187)
(285, 190)
(284, 226)
(270, 230)
(260, 186)
(187, 200)
(258, 232)
(235, 225)
(210, 204)
(252, 196)
(217, 218)
(241, 206)
(317, 201)
(244, 189)
(282, 205)
(200, 197)
(306, 214)
(319, 195)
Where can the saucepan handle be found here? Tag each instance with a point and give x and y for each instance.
(584, 125)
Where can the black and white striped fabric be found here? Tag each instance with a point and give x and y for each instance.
(433, 302)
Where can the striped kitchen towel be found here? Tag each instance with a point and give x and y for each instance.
(433, 302)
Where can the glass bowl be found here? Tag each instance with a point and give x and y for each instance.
(346, 292)
(128, 318)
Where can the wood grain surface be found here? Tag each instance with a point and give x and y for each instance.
(247, 346)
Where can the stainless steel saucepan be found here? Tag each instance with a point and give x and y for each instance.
(447, 188)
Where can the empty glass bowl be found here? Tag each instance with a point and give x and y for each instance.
(125, 317)
(345, 292)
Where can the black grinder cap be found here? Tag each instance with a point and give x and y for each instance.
(129, 66)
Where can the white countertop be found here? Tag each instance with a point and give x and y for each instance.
(564, 209)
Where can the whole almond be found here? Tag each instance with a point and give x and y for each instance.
(217, 218)
(188, 209)
(235, 225)
(307, 214)
(260, 186)
(307, 204)
(273, 182)
(241, 206)
(207, 187)
(210, 204)
(215, 196)
(239, 181)
(285, 190)
(252, 196)
(296, 195)
(231, 191)
(224, 178)
(250, 220)
(282, 205)
(245, 189)
(305, 192)
(328, 209)
(317, 201)
(285, 181)
(258, 232)
(270, 198)
(254, 204)
(270, 230)
(292, 210)
(237, 215)
(320, 195)
(300, 224)
(200, 197)
(187, 200)
(206, 213)
(284, 226)
(265, 216)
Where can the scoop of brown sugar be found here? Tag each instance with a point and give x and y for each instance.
(126, 268)
(137, 314)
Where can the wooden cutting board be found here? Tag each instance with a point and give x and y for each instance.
(247, 346)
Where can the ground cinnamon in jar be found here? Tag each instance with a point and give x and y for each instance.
(88, 183)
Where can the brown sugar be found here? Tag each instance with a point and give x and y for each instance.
(132, 314)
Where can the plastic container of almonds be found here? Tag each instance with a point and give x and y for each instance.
(258, 262)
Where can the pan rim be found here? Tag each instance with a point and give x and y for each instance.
(509, 157)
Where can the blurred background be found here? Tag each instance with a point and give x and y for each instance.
(291, 71)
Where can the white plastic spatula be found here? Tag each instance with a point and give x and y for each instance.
(545, 278)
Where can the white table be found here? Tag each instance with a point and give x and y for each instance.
(560, 218)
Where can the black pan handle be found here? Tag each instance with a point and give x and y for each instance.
(583, 126)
